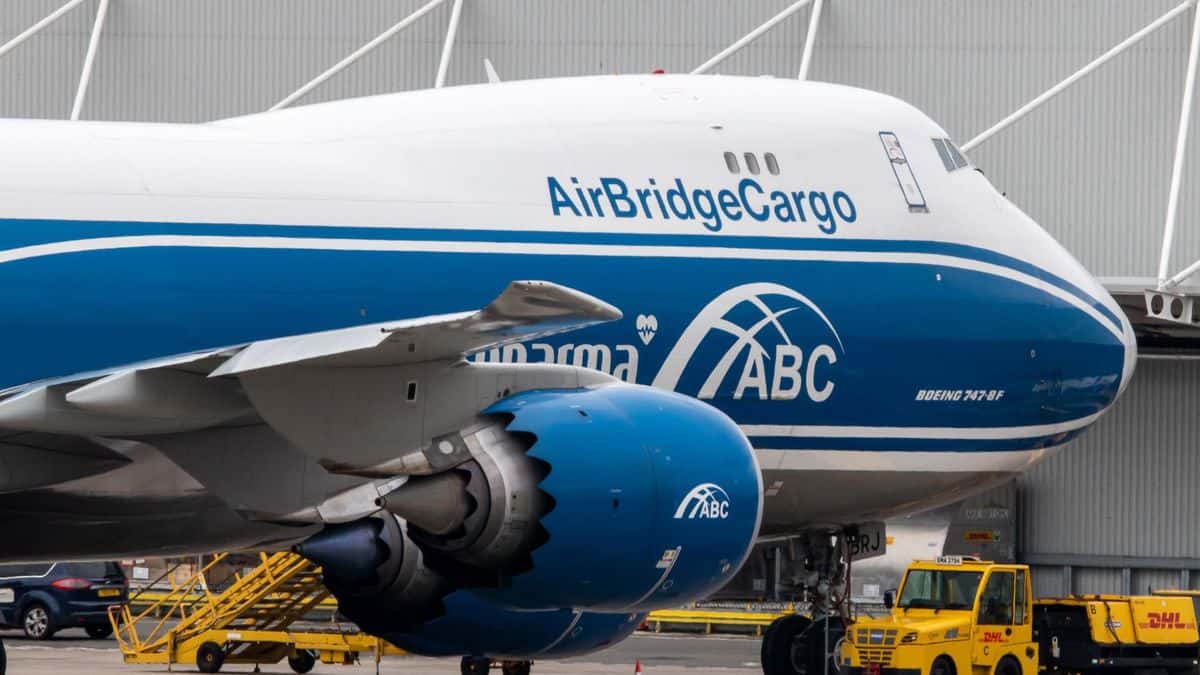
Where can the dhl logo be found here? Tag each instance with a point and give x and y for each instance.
(992, 636)
(1168, 620)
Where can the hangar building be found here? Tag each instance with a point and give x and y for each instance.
(1094, 164)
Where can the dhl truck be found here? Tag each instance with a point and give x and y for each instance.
(957, 616)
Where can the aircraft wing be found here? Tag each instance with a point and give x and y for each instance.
(195, 391)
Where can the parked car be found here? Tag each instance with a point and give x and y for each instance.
(42, 598)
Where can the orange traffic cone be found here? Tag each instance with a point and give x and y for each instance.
(637, 668)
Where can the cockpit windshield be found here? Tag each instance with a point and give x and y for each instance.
(939, 589)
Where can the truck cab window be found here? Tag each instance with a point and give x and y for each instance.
(1020, 604)
(996, 603)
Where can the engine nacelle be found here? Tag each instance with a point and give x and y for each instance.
(615, 500)
(377, 573)
(654, 499)
(473, 626)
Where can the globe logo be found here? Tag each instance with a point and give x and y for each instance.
(726, 340)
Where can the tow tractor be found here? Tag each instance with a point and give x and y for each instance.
(963, 616)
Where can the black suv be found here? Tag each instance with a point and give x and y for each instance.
(41, 598)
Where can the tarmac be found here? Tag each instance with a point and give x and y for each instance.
(71, 651)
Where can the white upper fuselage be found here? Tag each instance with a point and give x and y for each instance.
(477, 157)
(955, 336)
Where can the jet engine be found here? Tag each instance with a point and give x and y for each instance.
(617, 499)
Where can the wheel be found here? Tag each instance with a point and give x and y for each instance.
(1007, 666)
(767, 645)
(3, 658)
(302, 661)
(795, 645)
(942, 666)
(476, 665)
(517, 667)
(99, 631)
(784, 651)
(37, 622)
(210, 657)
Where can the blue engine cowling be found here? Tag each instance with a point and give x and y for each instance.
(656, 496)
(472, 626)
(610, 501)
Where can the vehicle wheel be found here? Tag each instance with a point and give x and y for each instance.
(1007, 666)
(942, 666)
(37, 622)
(3, 658)
(517, 667)
(210, 657)
(793, 646)
(302, 661)
(99, 631)
(476, 665)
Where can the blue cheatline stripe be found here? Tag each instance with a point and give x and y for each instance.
(15, 233)
(912, 444)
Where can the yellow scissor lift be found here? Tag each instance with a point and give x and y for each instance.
(246, 623)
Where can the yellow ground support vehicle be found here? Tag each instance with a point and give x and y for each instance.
(1122, 633)
(251, 622)
(971, 617)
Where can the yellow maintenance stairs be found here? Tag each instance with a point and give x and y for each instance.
(246, 623)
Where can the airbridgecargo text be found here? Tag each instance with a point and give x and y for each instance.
(613, 197)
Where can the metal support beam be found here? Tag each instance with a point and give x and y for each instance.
(1185, 118)
(357, 54)
(1109, 562)
(811, 39)
(448, 47)
(85, 77)
(37, 27)
(750, 37)
(1077, 76)
(1170, 284)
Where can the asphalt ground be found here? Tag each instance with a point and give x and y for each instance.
(71, 651)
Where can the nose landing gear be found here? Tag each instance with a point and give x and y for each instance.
(481, 665)
(799, 645)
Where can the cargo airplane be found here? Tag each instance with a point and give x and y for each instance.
(519, 362)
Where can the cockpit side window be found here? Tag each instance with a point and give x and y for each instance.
(959, 160)
(952, 158)
(947, 160)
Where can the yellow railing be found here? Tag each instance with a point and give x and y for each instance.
(176, 603)
(283, 588)
(711, 619)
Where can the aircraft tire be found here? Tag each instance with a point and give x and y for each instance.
(475, 665)
(516, 667)
(788, 645)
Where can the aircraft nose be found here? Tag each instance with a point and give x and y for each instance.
(1090, 350)
(1123, 348)
(1128, 341)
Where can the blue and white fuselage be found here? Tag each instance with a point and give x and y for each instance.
(885, 327)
